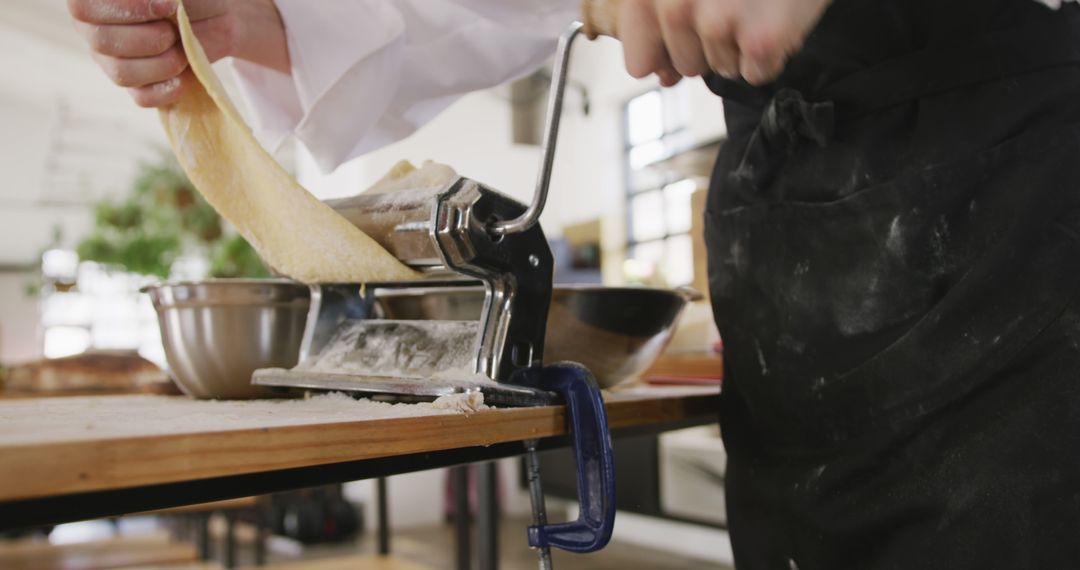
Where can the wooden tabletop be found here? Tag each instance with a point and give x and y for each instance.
(52, 447)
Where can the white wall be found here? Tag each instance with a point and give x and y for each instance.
(19, 326)
(70, 137)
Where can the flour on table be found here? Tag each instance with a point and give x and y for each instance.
(35, 421)
(466, 402)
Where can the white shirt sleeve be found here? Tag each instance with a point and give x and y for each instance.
(367, 73)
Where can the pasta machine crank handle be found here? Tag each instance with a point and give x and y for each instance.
(551, 135)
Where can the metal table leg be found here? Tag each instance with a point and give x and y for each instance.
(230, 539)
(487, 516)
(202, 535)
(383, 516)
(262, 528)
(459, 483)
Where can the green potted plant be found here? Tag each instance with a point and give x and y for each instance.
(163, 218)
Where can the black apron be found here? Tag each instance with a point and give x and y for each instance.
(894, 254)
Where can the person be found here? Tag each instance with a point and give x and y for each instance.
(893, 234)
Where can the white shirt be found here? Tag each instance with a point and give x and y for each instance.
(367, 73)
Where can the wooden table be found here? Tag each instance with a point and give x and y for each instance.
(65, 459)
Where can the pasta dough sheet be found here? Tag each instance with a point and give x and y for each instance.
(295, 233)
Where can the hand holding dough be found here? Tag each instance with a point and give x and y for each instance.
(293, 231)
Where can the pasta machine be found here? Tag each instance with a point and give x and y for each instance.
(461, 232)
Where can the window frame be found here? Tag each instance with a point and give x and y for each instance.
(669, 139)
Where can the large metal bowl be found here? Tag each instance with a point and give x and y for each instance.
(616, 332)
(217, 332)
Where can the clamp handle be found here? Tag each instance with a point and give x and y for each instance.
(601, 18)
(593, 456)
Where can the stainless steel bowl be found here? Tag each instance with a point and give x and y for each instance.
(616, 332)
(217, 332)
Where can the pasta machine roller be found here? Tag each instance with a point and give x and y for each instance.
(461, 232)
(450, 235)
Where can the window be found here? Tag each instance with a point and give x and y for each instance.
(104, 311)
(660, 250)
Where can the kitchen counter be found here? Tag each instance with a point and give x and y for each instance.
(74, 458)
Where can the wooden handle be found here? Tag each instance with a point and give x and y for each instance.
(601, 18)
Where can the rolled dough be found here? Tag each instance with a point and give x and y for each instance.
(405, 176)
(293, 231)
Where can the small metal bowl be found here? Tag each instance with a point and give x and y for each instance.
(615, 332)
(217, 332)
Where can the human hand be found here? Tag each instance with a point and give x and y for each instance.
(136, 43)
(686, 38)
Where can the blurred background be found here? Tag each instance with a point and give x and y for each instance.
(94, 208)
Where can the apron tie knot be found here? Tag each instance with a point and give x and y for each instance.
(789, 118)
(786, 122)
